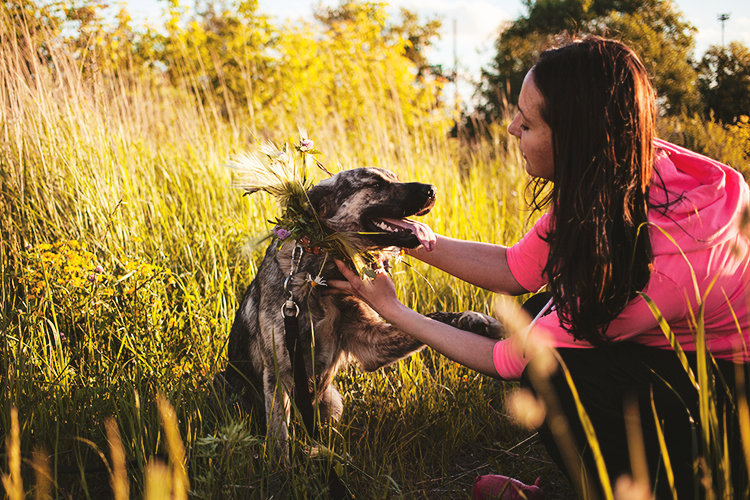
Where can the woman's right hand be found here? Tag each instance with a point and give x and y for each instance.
(379, 292)
(422, 231)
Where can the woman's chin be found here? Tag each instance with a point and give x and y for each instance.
(534, 172)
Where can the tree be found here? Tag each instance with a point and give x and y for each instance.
(654, 29)
(358, 62)
(724, 81)
(229, 45)
(417, 36)
(26, 29)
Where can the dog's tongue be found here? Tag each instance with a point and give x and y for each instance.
(421, 231)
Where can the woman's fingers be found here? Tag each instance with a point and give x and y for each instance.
(348, 273)
(339, 286)
(344, 286)
(425, 235)
(379, 292)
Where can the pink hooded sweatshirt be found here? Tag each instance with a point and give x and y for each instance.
(700, 256)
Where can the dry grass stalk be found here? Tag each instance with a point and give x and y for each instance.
(42, 476)
(12, 481)
(175, 448)
(119, 476)
(158, 481)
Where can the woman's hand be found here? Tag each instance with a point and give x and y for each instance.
(379, 292)
(422, 231)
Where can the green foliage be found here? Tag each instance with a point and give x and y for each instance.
(653, 28)
(729, 144)
(221, 54)
(122, 166)
(724, 81)
(664, 41)
(419, 37)
(354, 64)
(124, 250)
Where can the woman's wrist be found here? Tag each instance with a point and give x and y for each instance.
(417, 252)
(392, 311)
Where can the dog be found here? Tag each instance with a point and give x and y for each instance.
(344, 328)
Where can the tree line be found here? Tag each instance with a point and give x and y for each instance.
(352, 62)
(715, 85)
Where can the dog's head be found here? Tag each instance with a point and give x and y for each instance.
(357, 201)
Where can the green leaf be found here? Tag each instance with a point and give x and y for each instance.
(370, 273)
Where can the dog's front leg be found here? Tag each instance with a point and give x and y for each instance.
(277, 415)
(371, 341)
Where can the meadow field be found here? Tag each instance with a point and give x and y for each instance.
(125, 250)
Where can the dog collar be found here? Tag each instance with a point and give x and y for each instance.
(304, 242)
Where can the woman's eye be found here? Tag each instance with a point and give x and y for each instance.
(524, 127)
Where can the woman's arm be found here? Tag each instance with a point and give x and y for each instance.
(467, 348)
(482, 264)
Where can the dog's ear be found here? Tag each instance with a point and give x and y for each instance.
(322, 199)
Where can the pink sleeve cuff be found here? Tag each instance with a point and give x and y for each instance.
(508, 365)
(527, 258)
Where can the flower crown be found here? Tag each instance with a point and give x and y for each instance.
(285, 174)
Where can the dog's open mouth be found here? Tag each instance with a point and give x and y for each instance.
(387, 224)
(391, 231)
(390, 227)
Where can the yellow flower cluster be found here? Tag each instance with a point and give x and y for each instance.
(143, 273)
(66, 274)
(64, 264)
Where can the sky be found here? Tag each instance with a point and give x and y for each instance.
(477, 23)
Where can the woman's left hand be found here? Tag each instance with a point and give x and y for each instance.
(379, 292)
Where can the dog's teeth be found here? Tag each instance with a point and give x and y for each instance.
(384, 226)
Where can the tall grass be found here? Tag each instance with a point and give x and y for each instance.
(123, 252)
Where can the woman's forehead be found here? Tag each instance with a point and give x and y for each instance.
(530, 100)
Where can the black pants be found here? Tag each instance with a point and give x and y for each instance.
(611, 377)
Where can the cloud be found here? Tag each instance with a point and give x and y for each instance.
(474, 18)
(739, 30)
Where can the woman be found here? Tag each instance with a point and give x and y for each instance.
(628, 216)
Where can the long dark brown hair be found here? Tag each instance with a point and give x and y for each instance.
(600, 105)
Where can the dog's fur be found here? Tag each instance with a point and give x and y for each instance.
(344, 327)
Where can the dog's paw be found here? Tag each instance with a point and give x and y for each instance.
(482, 324)
(470, 321)
(449, 318)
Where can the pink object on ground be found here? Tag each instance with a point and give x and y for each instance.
(494, 486)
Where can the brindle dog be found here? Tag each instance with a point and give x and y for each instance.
(344, 328)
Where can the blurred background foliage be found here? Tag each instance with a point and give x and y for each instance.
(123, 252)
(348, 61)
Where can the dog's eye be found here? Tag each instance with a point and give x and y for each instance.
(379, 183)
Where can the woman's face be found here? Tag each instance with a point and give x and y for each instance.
(534, 133)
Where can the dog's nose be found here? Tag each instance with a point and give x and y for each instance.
(429, 190)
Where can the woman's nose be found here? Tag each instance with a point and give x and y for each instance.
(513, 127)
